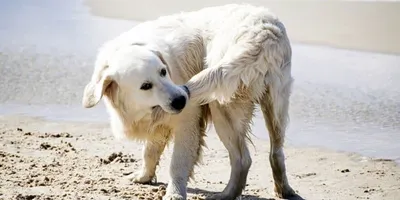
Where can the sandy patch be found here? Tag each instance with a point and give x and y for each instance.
(50, 160)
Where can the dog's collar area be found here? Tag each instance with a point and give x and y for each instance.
(187, 90)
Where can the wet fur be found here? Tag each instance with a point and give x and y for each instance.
(230, 58)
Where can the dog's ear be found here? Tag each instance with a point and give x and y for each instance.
(159, 55)
(94, 91)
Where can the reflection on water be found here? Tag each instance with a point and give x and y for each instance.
(47, 26)
(47, 49)
(342, 100)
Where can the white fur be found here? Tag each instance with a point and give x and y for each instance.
(229, 58)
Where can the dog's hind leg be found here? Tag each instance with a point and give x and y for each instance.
(232, 124)
(274, 106)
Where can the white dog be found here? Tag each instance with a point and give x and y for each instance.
(224, 59)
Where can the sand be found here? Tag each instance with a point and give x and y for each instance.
(70, 153)
(51, 160)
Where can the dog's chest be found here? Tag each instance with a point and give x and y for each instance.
(146, 129)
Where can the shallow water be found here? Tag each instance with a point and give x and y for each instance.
(342, 100)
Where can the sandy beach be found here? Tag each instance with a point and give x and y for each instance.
(342, 142)
(53, 160)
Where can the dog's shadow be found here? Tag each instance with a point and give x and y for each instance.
(207, 194)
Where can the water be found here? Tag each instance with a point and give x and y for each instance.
(342, 100)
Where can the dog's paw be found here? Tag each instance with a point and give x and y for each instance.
(173, 197)
(221, 196)
(285, 192)
(140, 177)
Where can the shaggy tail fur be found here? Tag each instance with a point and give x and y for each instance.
(258, 62)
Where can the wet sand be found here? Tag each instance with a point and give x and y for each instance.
(51, 148)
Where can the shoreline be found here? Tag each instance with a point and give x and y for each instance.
(103, 123)
(296, 136)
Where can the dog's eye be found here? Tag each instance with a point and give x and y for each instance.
(146, 86)
(163, 72)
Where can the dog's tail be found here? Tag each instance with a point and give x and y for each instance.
(259, 61)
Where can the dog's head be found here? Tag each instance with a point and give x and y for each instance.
(136, 78)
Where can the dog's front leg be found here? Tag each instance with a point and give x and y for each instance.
(152, 151)
(186, 150)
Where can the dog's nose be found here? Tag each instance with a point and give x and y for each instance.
(178, 103)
